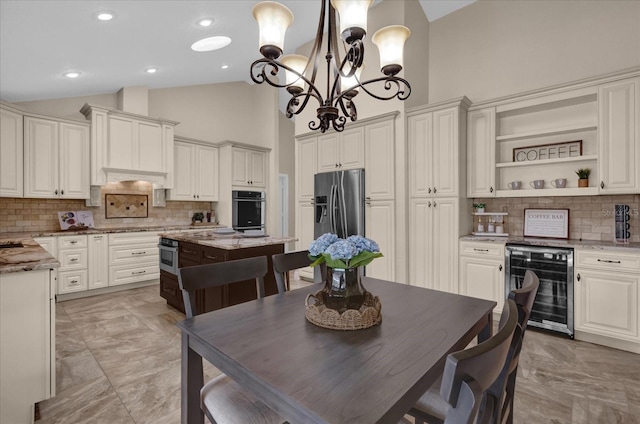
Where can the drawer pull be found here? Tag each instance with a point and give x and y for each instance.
(188, 251)
(73, 260)
(480, 250)
(210, 257)
(137, 272)
(608, 261)
(137, 253)
(73, 282)
(73, 241)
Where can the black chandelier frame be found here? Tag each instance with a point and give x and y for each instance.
(338, 104)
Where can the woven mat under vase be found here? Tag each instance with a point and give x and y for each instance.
(367, 316)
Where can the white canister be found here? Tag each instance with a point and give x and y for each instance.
(481, 228)
(491, 227)
(499, 229)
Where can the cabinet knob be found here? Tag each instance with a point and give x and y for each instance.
(198, 196)
(62, 192)
(490, 189)
(194, 196)
(601, 184)
(336, 165)
(434, 190)
(434, 204)
(55, 192)
(429, 204)
(578, 277)
(500, 268)
(429, 189)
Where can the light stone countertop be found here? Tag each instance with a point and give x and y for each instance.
(30, 257)
(574, 243)
(227, 241)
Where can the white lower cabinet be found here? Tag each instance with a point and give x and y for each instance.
(72, 255)
(27, 343)
(482, 271)
(380, 226)
(98, 264)
(607, 298)
(133, 257)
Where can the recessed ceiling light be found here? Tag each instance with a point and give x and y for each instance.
(72, 74)
(224, 67)
(205, 22)
(105, 16)
(211, 43)
(151, 70)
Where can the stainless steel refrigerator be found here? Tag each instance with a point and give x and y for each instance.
(339, 203)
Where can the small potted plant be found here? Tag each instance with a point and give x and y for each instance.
(479, 207)
(583, 177)
(198, 217)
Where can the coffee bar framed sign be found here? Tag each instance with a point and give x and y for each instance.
(551, 223)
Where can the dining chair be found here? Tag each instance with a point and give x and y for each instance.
(222, 399)
(468, 374)
(285, 262)
(500, 396)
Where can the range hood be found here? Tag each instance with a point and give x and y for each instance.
(128, 145)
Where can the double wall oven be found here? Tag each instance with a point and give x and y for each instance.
(553, 306)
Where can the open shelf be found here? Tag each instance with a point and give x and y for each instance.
(494, 234)
(490, 213)
(543, 192)
(582, 158)
(548, 132)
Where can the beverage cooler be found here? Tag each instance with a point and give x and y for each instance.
(553, 306)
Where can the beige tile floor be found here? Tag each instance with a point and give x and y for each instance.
(118, 361)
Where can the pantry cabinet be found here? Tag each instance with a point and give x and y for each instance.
(343, 150)
(249, 168)
(196, 172)
(11, 153)
(607, 298)
(481, 153)
(56, 159)
(380, 160)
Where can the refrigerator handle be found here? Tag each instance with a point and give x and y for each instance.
(343, 210)
(332, 209)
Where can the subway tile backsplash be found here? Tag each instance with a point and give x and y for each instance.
(36, 215)
(590, 217)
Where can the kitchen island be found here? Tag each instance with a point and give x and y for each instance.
(27, 327)
(208, 247)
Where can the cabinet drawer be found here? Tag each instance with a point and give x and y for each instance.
(479, 248)
(133, 273)
(72, 242)
(127, 239)
(212, 255)
(72, 281)
(609, 261)
(133, 253)
(72, 259)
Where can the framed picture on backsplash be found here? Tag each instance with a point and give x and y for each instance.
(550, 223)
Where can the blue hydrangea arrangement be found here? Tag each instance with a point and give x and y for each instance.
(352, 252)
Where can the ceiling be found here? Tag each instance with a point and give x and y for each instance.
(41, 40)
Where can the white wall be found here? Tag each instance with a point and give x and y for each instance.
(69, 107)
(492, 48)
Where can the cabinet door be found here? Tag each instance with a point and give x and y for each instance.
(41, 158)
(619, 149)
(306, 164)
(444, 248)
(380, 161)
(257, 168)
(380, 226)
(420, 132)
(184, 172)
(304, 231)
(11, 154)
(481, 154)
(121, 151)
(150, 149)
(207, 180)
(98, 265)
(74, 161)
(446, 152)
(607, 303)
(240, 173)
(351, 149)
(420, 246)
(328, 153)
(482, 278)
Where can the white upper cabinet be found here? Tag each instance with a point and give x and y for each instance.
(249, 168)
(11, 151)
(481, 153)
(306, 165)
(380, 160)
(196, 172)
(619, 145)
(436, 159)
(125, 146)
(339, 151)
(56, 159)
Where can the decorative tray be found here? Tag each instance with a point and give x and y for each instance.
(367, 316)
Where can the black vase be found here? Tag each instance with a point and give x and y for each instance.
(343, 289)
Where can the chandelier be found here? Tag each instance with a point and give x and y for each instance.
(343, 82)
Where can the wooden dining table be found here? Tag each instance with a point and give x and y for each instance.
(309, 374)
